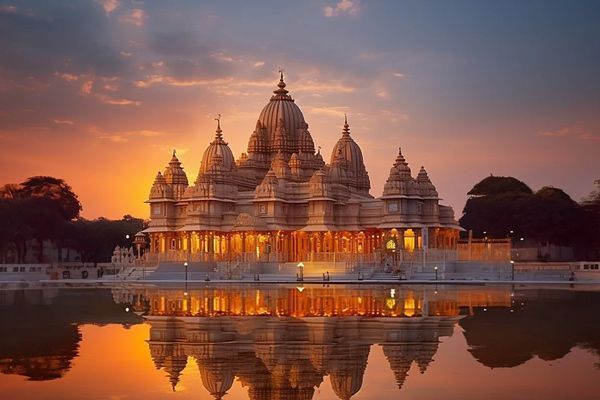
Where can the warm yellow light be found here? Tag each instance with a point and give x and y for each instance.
(409, 306)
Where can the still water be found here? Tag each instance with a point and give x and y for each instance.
(311, 342)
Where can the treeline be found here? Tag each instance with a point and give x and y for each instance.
(45, 208)
(501, 207)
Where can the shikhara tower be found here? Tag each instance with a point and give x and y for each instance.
(280, 201)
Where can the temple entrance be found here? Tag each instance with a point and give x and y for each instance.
(409, 240)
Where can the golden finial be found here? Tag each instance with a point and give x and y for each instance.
(281, 85)
(219, 134)
(346, 126)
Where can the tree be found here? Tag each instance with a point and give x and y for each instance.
(497, 185)
(499, 205)
(492, 205)
(54, 189)
(10, 191)
(96, 239)
(591, 207)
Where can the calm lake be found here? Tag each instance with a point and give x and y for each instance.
(250, 341)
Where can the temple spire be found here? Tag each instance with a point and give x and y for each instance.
(281, 85)
(346, 131)
(219, 134)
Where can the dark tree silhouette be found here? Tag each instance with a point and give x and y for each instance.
(54, 189)
(499, 205)
(497, 185)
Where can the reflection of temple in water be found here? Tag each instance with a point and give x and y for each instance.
(280, 342)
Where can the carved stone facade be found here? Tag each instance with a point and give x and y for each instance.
(281, 202)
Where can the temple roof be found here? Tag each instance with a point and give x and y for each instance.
(281, 109)
(217, 152)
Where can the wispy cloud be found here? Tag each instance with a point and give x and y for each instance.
(63, 121)
(136, 17)
(125, 136)
(9, 9)
(114, 138)
(66, 76)
(347, 7)
(574, 132)
(108, 5)
(117, 101)
(87, 86)
(337, 112)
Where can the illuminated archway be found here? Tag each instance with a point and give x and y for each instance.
(409, 240)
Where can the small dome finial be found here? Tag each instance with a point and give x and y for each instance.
(219, 134)
(174, 152)
(281, 85)
(346, 131)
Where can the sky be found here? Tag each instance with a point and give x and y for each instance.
(100, 92)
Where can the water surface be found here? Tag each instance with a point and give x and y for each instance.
(310, 342)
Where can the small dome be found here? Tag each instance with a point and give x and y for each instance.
(400, 181)
(216, 377)
(218, 149)
(426, 188)
(354, 158)
(160, 188)
(401, 167)
(174, 173)
(282, 108)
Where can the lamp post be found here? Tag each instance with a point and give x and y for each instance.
(185, 264)
(436, 273)
(300, 271)
(512, 270)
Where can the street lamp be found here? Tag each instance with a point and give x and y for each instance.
(300, 271)
(436, 274)
(512, 270)
(185, 264)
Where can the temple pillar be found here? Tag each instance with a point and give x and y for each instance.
(320, 247)
(400, 238)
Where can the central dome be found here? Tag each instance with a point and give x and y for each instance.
(282, 111)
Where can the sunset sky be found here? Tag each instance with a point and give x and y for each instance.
(100, 92)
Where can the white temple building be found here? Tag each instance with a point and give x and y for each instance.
(282, 202)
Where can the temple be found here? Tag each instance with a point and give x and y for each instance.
(282, 202)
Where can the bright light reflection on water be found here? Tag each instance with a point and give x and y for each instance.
(278, 342)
